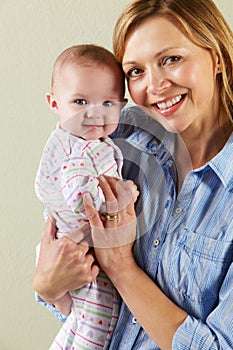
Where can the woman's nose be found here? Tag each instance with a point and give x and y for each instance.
(157, 82)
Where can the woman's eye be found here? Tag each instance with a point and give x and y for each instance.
(134, 72)
(81, 102)
(107, 103)
(170, 60)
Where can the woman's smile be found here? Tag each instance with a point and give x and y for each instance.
(168, 106)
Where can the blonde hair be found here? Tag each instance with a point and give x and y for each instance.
(86, 53)
(200, 20)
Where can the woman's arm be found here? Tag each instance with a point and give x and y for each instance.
(159, 316)
(63, 265)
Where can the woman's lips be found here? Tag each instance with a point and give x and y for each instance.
(169, 106)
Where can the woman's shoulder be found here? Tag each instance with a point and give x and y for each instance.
(133, 118)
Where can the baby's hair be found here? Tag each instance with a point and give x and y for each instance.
(85, 54)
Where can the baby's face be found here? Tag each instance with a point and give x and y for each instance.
(88, 100)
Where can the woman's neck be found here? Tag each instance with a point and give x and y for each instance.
(195, 150)
(205, 141)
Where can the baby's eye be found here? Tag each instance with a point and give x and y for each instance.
(107, 103)
(81, 102)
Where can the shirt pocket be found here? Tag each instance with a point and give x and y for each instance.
(198, 266)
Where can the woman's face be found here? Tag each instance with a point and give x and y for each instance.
(171, 75)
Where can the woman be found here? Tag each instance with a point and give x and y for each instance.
(177, 56)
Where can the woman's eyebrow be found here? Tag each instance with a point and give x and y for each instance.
(158, 54)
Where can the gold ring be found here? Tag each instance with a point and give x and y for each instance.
(111, 217)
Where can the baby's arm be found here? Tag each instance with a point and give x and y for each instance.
(77, 177)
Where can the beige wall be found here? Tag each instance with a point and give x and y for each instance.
(32, 33)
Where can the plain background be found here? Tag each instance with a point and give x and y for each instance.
(32, 34)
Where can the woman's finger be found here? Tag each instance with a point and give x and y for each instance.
(123, 192)
(108, 186)
(118, 193)
(81, 234)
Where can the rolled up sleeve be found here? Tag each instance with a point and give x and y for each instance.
(61, 317)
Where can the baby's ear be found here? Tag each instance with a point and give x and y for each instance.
(52, 102)
(125, 101)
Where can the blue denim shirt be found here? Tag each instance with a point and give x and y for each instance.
(185, 239)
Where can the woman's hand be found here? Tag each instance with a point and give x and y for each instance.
(63, 264)
(116, 258)
(114, 232)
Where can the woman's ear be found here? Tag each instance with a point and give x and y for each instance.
(218, 65)
(216, 62)
(52, 102)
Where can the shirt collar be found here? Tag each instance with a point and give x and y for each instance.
(153, 143)
(222, 164)
(162, 144)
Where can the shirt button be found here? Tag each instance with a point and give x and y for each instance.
(134, 320)
(156, 242)
(178, 210)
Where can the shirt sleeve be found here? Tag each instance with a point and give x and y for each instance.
(61, 317)
(217, 331)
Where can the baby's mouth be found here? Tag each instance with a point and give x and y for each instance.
(92, 122)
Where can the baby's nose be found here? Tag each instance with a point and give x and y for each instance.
(95, 114)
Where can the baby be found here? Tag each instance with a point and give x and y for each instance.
(87, 93)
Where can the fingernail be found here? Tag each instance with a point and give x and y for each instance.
(87, 197)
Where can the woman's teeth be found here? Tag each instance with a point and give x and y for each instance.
(169, 103)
